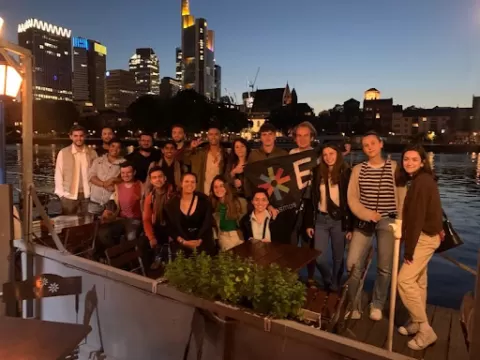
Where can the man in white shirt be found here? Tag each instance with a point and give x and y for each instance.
(71, 173)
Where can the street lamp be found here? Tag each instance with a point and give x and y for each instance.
(10, 82)
(10, 87)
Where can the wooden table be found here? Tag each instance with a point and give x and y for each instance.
(285, 255)
(29, 339)
(63, 222)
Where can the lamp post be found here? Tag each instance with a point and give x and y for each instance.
(24, 72)
(10, 82)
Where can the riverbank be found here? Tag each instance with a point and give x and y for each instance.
(388, 147)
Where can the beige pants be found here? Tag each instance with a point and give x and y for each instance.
(228, 240)
(412, 278)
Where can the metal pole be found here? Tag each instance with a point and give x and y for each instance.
(27, 168)
(3, 149)
(393, 294)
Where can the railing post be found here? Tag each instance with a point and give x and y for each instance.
(7, 267)
(475, 344)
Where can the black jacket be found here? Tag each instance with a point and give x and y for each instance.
(246, 226)
(205, 232)
(311, 207)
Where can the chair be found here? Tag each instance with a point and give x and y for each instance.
(44, 286)
(124, 254)
(80, 240)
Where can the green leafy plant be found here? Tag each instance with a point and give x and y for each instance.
(269, 290)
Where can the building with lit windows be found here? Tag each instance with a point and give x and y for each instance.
(169, 87)
(120, 89)
(198, 49)
(217, 94)
(178, 65)
(144, 64)
(89, 67)
(51, 48)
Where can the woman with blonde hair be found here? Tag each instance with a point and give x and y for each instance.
(228, 210)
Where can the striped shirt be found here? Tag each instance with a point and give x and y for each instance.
(378, 184)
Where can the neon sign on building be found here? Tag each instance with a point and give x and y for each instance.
(99, 48)
(79, 42)
(44, 26)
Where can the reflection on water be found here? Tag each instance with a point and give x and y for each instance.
(459, 184)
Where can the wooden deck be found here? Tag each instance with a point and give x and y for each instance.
(446, 323)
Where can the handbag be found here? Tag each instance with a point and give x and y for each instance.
(368, 227)
(452, 239)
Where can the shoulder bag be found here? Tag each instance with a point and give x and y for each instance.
(452, 239)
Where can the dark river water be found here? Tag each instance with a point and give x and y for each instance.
(459, 182)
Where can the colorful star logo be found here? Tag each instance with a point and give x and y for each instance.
(274, 183)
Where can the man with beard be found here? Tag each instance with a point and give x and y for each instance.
(107, 136)
(208, 161)
(143, 156)
(71, 173)
(178, 135)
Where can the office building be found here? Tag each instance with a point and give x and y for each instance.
(120, 89)
(178, 65)
(217, 94)
(169, 87)
(198, 61)
(89, 67)
(144, 64)
(51, 48)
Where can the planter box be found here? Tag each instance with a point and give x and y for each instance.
(139, 318)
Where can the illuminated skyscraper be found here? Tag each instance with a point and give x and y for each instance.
(218, 83)
(51, 48)
(198, 60)
(120, 89)
(89, 67)
(178, 64)
(145, 66)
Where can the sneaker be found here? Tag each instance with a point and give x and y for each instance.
(410, 328)
(422, 340)
(356, 315)
(375, 314)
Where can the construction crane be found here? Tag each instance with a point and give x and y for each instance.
(233, 99)
(250, 87)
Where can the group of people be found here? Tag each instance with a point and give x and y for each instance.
(196, 196)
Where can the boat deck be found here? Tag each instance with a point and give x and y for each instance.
(446, 323)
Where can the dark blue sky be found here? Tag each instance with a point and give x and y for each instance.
(422, 52)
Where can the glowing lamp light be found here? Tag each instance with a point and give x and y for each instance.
(10, 81)
(1, 24)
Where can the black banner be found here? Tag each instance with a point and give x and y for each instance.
(284, 178)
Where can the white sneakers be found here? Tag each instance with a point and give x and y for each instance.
(356, 315)
(425, 336)
(375, 314)
(411, 328)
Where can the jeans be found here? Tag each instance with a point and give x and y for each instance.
(356, 258)
(328, 229)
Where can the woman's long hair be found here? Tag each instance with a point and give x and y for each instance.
(338, 168)
(233, 158)
(160, 196)
(231, 201)
(401, 176)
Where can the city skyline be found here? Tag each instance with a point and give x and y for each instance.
(419, 54)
